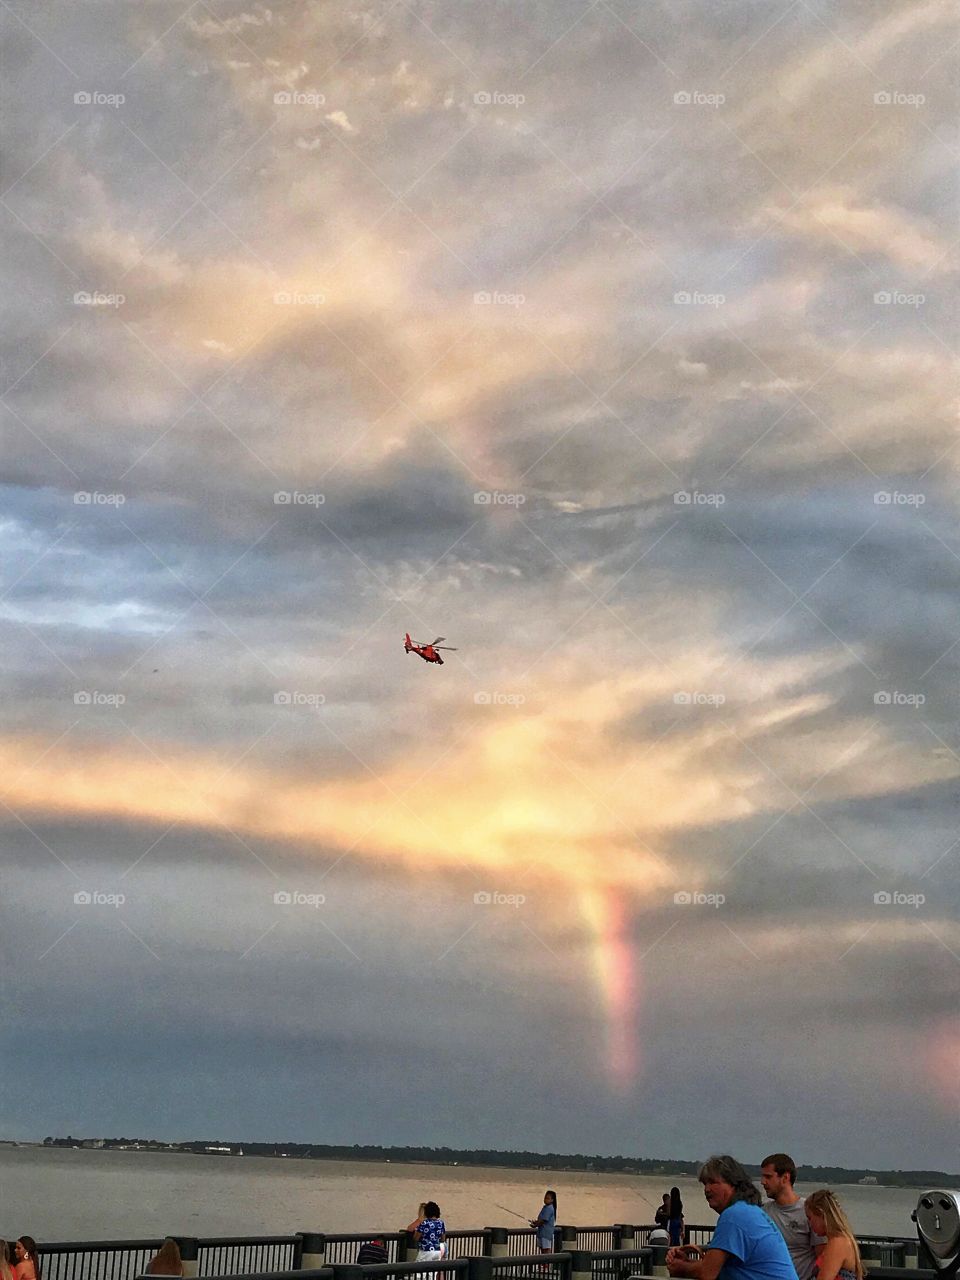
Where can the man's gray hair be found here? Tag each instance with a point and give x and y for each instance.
(726, 1169)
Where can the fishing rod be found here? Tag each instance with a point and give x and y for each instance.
(512, 1213)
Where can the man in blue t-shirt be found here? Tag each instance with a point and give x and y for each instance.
(746, 1244)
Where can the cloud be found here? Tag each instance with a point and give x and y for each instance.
(384, 263)
(339, 118)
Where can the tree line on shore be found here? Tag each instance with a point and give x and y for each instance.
(553, 1161)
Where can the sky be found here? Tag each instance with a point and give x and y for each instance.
(614, 342)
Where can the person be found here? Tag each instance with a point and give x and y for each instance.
(372, 1252)
(546, 1222)
(840, 1257)
(675, 1218)
(28, 1263)
(430, 1232)
(167, 1261)
(662, 1216)
(6, 1268)
(746, 1244)
(778, 1173)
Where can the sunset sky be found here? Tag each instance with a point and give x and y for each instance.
(614, 342)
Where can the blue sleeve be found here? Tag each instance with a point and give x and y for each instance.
(731, 1236)
(548, 1213)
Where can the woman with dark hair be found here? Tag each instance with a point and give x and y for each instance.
(28, 1263)
(430, 1232)
(675, 1218)
(747, 1244)
(546, 1222)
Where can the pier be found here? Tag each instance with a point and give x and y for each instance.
(489, 1253)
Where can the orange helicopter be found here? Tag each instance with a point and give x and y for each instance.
(428, 652)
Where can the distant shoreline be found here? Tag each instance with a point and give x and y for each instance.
(484, 1159)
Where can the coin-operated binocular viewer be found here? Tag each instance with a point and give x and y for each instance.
(937, 1216)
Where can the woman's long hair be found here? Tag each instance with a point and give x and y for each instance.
(676, 1204)
(836, 1223)
(6, 1260)
(553, 1201)
(726, 1169)
(167, 1262)
(30, 1250)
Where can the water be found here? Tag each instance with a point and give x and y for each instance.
(55, 1194)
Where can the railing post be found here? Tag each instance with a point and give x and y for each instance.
(481, 1268)
(189, 1247)
(313, 1248)
(347, 1271)
(497, 1242)
(581, 1265)
(568, 1239)
(624, 1236)
(658, 1260)
(407, 1247)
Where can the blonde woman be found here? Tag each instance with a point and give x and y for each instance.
(6, 1255)
(840, 1256)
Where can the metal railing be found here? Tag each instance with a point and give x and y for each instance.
(521, 1240)
(595, 1238)
(575, 1265)
(228, 1255)
(468, 1244)
(343, 1248)
(96, 1259)
(546, 1266)
(225, 1256)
